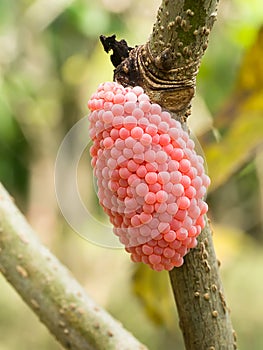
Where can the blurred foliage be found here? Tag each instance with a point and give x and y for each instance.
(155, 295)
(50, 63)
(240, 122)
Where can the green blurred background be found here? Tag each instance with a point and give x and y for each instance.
(50, 63)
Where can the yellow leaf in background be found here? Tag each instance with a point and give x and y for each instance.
(240, 121)
(249, 86)
(251, 71)
(153, 290)
(75, 69)
(236, 147)
(229, 242)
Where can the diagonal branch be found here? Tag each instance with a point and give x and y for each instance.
(51, 292)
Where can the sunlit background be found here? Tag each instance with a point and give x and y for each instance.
(50, 63)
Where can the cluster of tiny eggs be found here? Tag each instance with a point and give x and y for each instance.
(151, 182)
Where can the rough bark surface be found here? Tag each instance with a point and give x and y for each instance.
(200, 299)
(166, 67)
(51, 292)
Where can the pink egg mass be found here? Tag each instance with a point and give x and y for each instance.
(151, 182)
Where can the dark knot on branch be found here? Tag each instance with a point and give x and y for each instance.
(120, 48)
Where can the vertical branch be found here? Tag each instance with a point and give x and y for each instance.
(166, 67)
(199, 295)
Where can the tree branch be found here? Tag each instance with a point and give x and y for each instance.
(51, 292)
(199, 295)
(166, 67)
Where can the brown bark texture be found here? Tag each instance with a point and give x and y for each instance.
(166, 67)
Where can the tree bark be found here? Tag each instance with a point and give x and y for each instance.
(166, 67)
(203, 313)
(51, 292)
